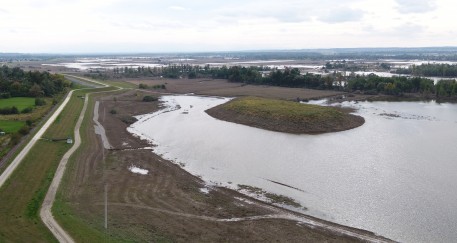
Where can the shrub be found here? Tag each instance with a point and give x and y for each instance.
(128, 119)
(15, 139)
(192, 75)
(27, 110)
(113, 111)
(24, 130)
(159, 86)
(5, 95)
(149, 98)
(40, 102)
(9, 110)
(143, 86)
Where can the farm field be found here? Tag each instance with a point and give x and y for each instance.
(16, 126)
(20, 102)
(11, 126)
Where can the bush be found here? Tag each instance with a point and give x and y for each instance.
(128, 119)
(143, 86)
(159, 86)
(113, 111)
(9, 110)
(192, 75)
(27, 110)
(15, 139)
(149, 98)
(40, 102)
(5, 95)
(24, 130)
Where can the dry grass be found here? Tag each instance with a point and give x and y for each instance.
(282, 110)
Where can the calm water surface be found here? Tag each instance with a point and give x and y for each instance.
(396, 175)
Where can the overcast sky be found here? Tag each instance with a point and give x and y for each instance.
(75, 26)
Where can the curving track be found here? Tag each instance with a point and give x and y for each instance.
(45, 212)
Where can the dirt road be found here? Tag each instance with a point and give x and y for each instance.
(45, 212)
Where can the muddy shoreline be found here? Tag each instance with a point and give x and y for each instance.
(220, 214)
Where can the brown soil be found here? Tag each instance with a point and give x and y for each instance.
(219, 87)
(167, 203)
(348, 121)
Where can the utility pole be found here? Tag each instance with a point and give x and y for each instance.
(106, 206)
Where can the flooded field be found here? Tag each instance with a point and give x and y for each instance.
(394, 176)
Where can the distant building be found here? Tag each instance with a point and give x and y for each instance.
(265, 73)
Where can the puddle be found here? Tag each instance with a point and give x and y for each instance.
(138, 170)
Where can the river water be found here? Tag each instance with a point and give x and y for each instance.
(395, 175)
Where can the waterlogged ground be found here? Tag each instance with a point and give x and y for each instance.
(394, 176)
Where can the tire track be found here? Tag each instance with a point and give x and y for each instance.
(45, 212)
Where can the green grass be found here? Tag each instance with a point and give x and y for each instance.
(20, 102)
(281, 109)
(22, 195)
(11, 126)
(36, 116)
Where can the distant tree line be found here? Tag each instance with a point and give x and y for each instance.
(15, 82)
(430, 70)
(291, 77)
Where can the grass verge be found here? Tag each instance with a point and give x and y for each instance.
(22, 195)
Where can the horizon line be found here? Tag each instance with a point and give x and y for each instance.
(226, 51)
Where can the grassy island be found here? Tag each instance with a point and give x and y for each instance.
(285, 116)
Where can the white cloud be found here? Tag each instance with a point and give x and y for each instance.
(210, 25)
(177, 8)
(342, 15)
(415, 6)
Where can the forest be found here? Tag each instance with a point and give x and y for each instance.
(430, 70)
(292, 77)
(15, 82)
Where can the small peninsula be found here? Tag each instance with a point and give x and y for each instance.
(286, 116)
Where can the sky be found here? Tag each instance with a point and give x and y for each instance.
(98, 26)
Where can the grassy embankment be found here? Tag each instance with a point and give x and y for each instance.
(82, 229)
(22, 195)
(285, 116)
